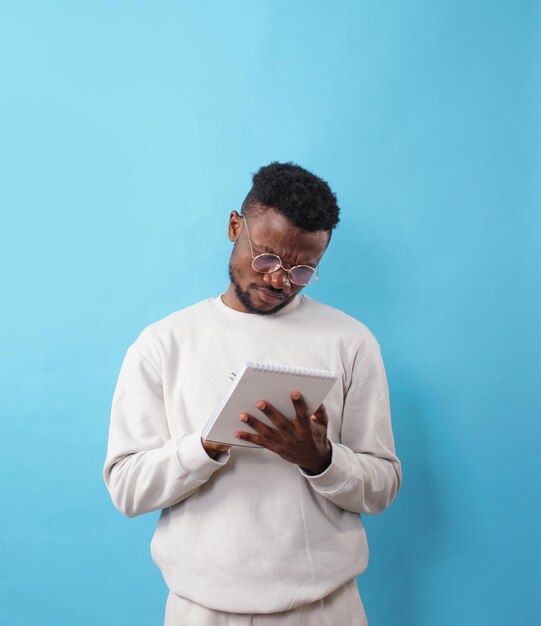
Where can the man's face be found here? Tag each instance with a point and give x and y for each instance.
(270, 231)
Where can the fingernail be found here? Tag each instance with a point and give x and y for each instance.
(295, 395)
(243, 418)
(261, 405)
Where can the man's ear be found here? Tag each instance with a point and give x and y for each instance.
(234, 226)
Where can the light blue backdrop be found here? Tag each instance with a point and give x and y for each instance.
(128, 131)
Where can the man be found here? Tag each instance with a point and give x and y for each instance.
(269, 535)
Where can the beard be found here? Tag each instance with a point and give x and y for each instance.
(245, 299)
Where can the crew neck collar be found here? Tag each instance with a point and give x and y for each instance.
(253, 318)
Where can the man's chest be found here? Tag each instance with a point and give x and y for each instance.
(198, 369)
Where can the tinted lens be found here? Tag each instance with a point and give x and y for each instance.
(302, 274)
(266, 263)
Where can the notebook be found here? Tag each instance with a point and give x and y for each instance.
(272, 383)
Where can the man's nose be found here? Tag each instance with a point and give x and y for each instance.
(278, 279)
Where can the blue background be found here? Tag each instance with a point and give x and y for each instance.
(128, 131)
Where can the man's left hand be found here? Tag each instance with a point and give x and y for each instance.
(302, 441)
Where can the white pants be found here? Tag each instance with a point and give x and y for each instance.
(343, 607)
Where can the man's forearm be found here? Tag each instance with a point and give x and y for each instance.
(360, 483)
(150, 480)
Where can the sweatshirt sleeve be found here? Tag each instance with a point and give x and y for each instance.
(146, 469)
(365, 474)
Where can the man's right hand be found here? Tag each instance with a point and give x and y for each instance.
(214, 449)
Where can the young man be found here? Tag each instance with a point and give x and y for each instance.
(269, 535)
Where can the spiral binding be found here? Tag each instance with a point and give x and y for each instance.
(287, 369)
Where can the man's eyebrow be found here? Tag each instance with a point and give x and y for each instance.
(262, 248)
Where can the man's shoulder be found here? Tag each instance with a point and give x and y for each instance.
(193, 311)
(182, 320)
(335, 318)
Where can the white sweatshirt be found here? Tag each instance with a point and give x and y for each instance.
(250, 532)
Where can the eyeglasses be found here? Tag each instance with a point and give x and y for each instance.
(268, 263)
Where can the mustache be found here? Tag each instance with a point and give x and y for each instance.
(271, 289)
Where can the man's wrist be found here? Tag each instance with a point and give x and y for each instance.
(321, 467)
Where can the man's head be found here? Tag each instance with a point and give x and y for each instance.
(288, 212)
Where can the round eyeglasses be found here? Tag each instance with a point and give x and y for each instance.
(267, 263)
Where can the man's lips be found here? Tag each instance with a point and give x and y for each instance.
(271, 297)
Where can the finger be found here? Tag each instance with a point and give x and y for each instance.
(220, 447)
(320, 416)
(257, 425)
(279, 420)
(260, 440)
(301, 411)
(213, 445)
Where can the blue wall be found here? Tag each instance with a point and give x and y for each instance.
(128, 132)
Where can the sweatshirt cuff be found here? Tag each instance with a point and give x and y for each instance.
(194, 460)
(336, 476)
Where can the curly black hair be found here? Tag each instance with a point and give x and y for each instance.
(302, 197)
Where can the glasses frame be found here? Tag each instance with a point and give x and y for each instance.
(315, 275)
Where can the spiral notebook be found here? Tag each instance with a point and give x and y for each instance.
(272, 383)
